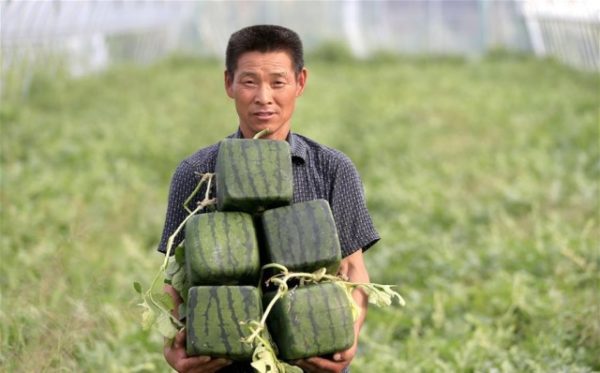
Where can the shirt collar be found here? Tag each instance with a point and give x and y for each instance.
(298, 147)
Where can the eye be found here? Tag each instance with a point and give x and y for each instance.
(278, 83)
(248, 82)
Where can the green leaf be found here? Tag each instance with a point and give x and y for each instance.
(164, 300)
(172, 269)
(138, 287)
(382, 295)
(180, 255)
(292, 368)
(264, 361)
(148, 316)
(166, 327)
(178, 281)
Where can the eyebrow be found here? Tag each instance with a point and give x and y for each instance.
(252, 74)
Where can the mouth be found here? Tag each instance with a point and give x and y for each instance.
(264, 115)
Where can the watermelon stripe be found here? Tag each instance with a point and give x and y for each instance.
(313, 323)
(344, 306)
(332, 240)
(293, 317)
(248, 243)
(232, 307)
(311, 217)
(244, 149)
(215, 241)
(191, 305)
(299, 232)
(283, 249)
(276, 242)
(277, 174)
(230, 257)
(236, 173)
(188, 267)
(221, 323)
(206, 313)
(331, 323)
(246, 298)
(263, 179)
(194, 246)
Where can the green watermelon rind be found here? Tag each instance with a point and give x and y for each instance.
(213, 320)
(221, 248)
(312, 320)
(302, 237)
(253, 175)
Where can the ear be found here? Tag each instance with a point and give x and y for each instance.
(228, 79)
(301, 81)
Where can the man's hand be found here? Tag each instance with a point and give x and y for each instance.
(336, 364)
(177, 358)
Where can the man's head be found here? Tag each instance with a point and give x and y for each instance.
(264, 38)
(265, 75)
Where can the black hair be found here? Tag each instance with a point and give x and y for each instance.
(264, 38)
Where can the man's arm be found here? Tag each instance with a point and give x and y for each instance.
(175, 353)
(353, 267)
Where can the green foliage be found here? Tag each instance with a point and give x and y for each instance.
(331, 52)
(481, 177)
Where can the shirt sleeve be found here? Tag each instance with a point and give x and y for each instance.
(183, 183)
(355, 227)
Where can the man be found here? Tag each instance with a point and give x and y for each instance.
(264, 76)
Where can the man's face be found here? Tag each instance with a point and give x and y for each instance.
(264, 88)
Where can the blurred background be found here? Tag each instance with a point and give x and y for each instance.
(93, 35)
(474, 125)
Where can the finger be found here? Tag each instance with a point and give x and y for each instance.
(305, 365)
(212, 366)
(346, 355)
(189, 364)
(320, 364)
(179, 340)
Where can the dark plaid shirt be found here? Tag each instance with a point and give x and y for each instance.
(319, 172)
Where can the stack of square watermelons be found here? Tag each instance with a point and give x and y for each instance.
(223, 257)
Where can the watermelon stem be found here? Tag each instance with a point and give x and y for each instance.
(262, 133)
(207, 177)
(155, 308)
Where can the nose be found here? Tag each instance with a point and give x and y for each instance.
(263, 95)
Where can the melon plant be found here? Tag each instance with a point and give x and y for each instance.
(221, 249)
(175, 275)
(311, 320)
(215, 315)
(253, 175)
(302, 237)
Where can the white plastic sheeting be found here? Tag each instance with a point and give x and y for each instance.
(86, 36)
(568, 30)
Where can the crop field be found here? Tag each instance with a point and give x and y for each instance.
(481, 177)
